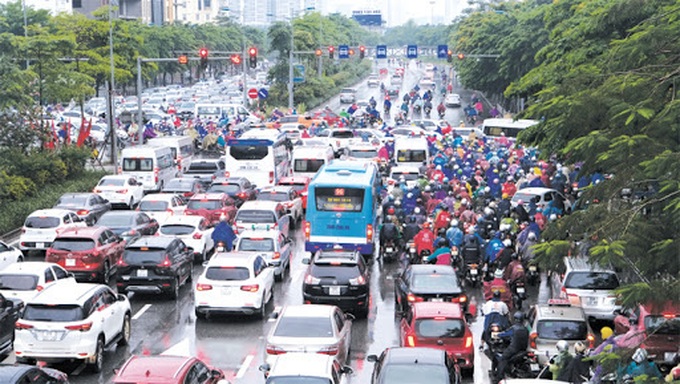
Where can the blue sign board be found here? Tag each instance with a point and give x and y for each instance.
(381, 52)
(263, 93)
(442, 51)
(343, 51)
(412, 51)
(299, 75)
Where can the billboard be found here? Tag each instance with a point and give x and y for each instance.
(370, 18)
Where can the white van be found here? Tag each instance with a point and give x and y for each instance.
(308, 160)
(212, 112)
(152, 166)
(411, 151)
(235, 112)
(182, 148)
(261, 155)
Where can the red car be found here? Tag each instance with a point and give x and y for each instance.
(90, 253)
(661, 324)
(439, 325)
(211, 206)
(329, 117)
(167, 370)
(300, 184)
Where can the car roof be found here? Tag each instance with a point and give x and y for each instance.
(150, 241)
(77, 232)
(302, 364)
(183, 219)
(118, 177)
(260, 204)
(256, 233)
(417, 355)
(77, 194)
(208, 196)
(51, 212)
(405, 169)
(582, 264)
(536, 190)
(426, 269)
(75, 295)
(432, 309)
(235, 259)
(308, 310)
(277, 189)
(145, 369)
(229, 180)
(27, 267)
(159, 197)
(559, 312)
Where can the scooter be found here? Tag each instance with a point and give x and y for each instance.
(519, 294)
(533, 274)
(412, 253)
(389, 251)
(427, 110)
(472, 274)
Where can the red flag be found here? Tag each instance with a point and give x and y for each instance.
(83, 133)
(68, 132)
(54, 134)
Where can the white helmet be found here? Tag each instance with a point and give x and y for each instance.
(507, 242)
(488, 211)
(562, 346)
(640, 355)
(498, 274)
(454, 223)
(531, 236)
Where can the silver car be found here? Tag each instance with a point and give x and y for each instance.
(310, 328)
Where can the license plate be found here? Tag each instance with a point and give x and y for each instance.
(520, 290)
(142, 273)
(389, 249)
(593, 300)
(473, 272)
(40, 245)
(454, 253)
(532, 268)
(70, 262)
(226, 291)
(334, 291)
(669, 356)
(438, 300)
(49, 335)
(534, 367)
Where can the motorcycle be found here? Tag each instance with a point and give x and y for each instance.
(442, 114)
(412, 253)
(389, 251)
(523, 365)
(427, 110)
(518, 294)
(424, 254)
(416, 110)
(533, 275)
(472, 274)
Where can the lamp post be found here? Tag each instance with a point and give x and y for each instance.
(291, 96)
(23, 6)
(112, 90)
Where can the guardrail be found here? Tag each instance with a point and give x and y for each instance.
(11, 234)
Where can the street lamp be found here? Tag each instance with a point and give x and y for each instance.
(291, 96)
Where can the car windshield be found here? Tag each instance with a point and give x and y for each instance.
(592, 280)
(363, 153)
(414, 374)
(51, 312)
(18, 282)
(273, 196)
(562, 329)
(662, 326)
(204, 204)
(114, 219)
(177, 229)
(180, 185)
(439, 328)
(255, 216)
(255, 244)
(153, 206)
(72, 201)
(202, 167)
(229, 189)
(297, 380)
(144, 255)
(41, 222)
(248, 152)
(227, 273)
(111, 182)
(406, 176)
(73, 245)
(434, 282)
(291, 326)
(335, 271)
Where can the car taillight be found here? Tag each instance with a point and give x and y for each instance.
(274, 350)
(179, 163)
(271, 177)
(242, 195)
(19, 325)
(82, 212)
(369, 233)
(460, 299)
(83, 327)
(227, 173)
(468, 342)
(39, 288)
(203, 287)
(308, 230)
(532, 340)
(411, 298)
(277, 255)
(122, 262)
(169, 211)
(97, 190)
(250, 287)
(188, 194)
(155, 174)
(166, 262)
(309, 279)
(330, 350)
(410, 341)
(591, 341)
(360, 280)
(197, 236)
(121, 191)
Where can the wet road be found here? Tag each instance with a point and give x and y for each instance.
(236, 344)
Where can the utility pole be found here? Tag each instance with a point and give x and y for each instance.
(290, 68)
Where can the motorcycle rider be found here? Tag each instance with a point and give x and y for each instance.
(519, 342)
(641, 366)
(526, 251)
(442, 255)
(578, 370)
(514, 272)
(504, 257)
(411, 229)
(494, 311)
(441, 109)
(455, 235)
(224, 233)
(427, 107)
(498, 284)
(563, 358)
(389, 231)
(443, 218)
(424, 239)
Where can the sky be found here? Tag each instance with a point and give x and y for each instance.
(398, 12)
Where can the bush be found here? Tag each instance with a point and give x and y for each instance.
(14, 187)
(74, 158)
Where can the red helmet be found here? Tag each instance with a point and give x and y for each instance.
(390, 211)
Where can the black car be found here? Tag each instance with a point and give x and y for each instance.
(238, 188)
(88, 206)
(129, 224)
(28, 374)
(153, 264)
(392, 91)
(205, 170)
(338, 277)
(413, 365)
(424, 282)
(9, 314)
(184, 186)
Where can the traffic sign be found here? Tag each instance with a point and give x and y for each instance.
(412, 51)
(299, 75)
(263, 93)
(343, 51)
(381, 52)
(442, 51)
(252, 93)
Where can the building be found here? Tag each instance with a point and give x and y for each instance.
(54, 7)
(147, 11)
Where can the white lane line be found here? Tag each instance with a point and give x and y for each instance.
(244, 366)
(141, 311)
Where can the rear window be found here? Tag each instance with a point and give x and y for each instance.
(73, 245)
(132, 165)
(411, 155)
(592, 280)
(108, 182)
(144, 256)
(415, 374)
(18, 282)
(72, 201)
(296, 187)
(204, 204)
(562, 330)
(525, 197)
(202, 167)
(229, 189)
(342, 134)
(41, 222)
(662, 326)
(227, 273)
(434, 283)
(440, 328)
(255, 216)
(290, 326)
(113, 220)
(153, 206)
(342, 272)
(272, 196)
(248, 152)
(363, 154)
(177, 229)
(256, 245)
(179, 184)
(297, 380)
(53, 313)
(406, 176)
(307, 165)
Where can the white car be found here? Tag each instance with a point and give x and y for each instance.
(287, 196)
(348, 95)
(234, 282)
(120, 190)
(74, 324)
(305, 368)
(9, 255)
(276, 248)
(373, 81)
(160, 206)
(452, 100)
(426, 124)
(409, 173)
(25, 280)
(414, 132)
(41, 228)
(194, 231)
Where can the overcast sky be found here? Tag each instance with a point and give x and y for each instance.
(397, 12)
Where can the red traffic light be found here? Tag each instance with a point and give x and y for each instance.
(362, 48)
(203, 53)
(252, 51)
(331, 49)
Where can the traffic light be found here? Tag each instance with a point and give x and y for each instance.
(236, 59)
(183, 59)
(351, 52)
(252, 52)
(203, 55)
(362, 51)
(318, 52)
(449, 56)
(331, 51)
(461, 56)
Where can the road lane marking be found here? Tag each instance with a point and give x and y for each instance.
(182, 348)
(244, 367)
(141, 311)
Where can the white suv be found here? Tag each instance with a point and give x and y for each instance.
(73, 324)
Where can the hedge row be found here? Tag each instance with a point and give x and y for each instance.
(14, 213)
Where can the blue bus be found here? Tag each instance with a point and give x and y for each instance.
(342, 204)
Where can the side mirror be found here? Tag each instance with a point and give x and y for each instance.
(349, 316)
(264, 368)
(306, 261)
(122, 297)
(8, 304)
(189, 250)
(346, 370)
(372, 358)
(274, 315)
(70, 274)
